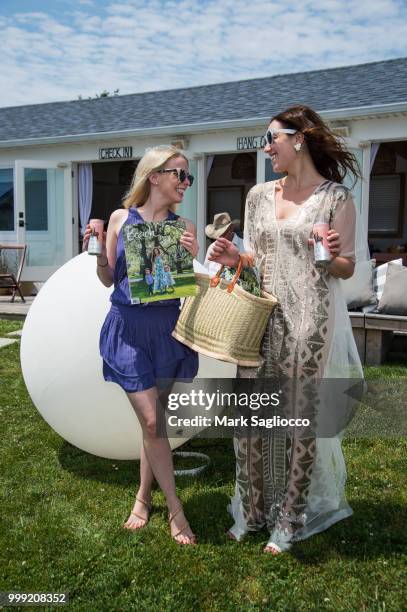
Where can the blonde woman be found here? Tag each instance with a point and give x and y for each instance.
(135, 342)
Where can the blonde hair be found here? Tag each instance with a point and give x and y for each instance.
(154, 159)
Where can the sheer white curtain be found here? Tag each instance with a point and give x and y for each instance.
(373, 152)
(209, 162)
(85, 194)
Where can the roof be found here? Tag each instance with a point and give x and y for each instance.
(363, 85)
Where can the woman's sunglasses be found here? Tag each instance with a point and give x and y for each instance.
(270, 134)
(181, 174)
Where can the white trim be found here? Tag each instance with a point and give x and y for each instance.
(75, 208)
(365, 187)
(191, 128)
(201, 205)
(364, 111)
(41, 273)
(261, 166)
(10, 235)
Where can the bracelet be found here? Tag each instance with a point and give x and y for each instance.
(104, 265)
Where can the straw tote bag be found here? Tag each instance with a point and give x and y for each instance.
(224, 321)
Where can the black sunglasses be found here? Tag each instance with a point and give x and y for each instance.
(181, 174)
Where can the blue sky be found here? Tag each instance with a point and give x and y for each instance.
(56, 50)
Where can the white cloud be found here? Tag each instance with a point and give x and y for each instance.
(143, 45)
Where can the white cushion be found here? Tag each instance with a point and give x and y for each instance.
(379, 277)
(379, 281)
(394, 297)
(358, 289)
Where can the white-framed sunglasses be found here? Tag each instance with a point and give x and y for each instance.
(270, 134)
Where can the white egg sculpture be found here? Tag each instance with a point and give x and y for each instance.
(62, 367)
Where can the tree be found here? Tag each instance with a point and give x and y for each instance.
(102, 94)
(141, 239)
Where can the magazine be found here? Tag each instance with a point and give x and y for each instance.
(158, 266)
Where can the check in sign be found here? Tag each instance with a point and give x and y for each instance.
(116, 153)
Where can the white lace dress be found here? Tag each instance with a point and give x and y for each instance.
(290, 481)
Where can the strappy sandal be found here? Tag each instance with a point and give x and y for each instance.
(272, 549)
(142, 518)
(280, 541)
(236, 534)
(193, 539)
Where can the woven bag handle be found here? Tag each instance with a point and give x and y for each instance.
(214, 282)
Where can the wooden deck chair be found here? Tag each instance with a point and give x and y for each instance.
(12, 258)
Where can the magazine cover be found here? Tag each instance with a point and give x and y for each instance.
(158, 266)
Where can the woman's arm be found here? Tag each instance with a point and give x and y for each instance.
(225, 252)
(341, 267)
(341, 239)
(188, 238)
(107, 261)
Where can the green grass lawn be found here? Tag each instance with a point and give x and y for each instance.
(184, 286)
(62, 511)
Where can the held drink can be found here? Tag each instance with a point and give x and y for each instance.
(322, 255)
(96, 237)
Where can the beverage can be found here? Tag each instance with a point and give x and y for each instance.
(322, 254)
(95, 245)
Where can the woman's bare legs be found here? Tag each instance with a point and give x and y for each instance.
(139, 515)
(157, 449)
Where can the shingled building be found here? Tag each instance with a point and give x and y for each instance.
(64, 162)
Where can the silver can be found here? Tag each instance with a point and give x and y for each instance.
(322, 254)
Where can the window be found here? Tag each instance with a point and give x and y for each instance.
(226, 199)
(6, 200)
(36, 199)
(386, 202)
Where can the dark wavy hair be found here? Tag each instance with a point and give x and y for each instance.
(328, 151)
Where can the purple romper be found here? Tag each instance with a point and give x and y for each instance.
(136, 345)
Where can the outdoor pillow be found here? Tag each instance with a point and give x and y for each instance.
(394, 298)
(379, 280)
(379, 277)
(358, 289)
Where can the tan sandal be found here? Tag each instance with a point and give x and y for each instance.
(142, 518)
(175, 535)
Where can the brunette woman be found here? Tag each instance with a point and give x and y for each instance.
(292, 481)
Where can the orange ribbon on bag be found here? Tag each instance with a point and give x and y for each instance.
(214, 282)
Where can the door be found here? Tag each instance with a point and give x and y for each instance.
(43, 191)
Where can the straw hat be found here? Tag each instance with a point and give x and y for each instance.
(221, 223)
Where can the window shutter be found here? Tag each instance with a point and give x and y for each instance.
(384, 203)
